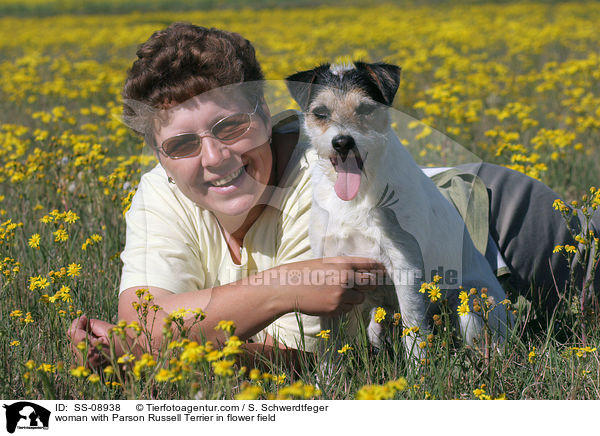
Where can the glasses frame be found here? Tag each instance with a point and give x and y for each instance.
(210, 133)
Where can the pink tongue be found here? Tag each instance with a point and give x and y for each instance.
(348, 177)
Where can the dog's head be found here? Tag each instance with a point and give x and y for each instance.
(346, 117)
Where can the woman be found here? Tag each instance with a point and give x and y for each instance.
(222, 223)
(227, 200)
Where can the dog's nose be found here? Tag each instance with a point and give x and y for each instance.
(343, 144)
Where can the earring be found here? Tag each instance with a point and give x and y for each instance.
(170, 179)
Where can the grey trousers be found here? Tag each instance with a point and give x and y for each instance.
(526, 229)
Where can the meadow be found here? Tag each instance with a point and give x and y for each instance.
(515, 84)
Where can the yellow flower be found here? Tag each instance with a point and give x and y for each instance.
(324, 334)
(226, 326)
(380, 314)
(126, 358)
(280, 379)
(60, 235)
(223, 368)
(463, 309)
(73, 270)
(15, 343)
(96, 238)
(135, 326)
(163, 375)
(214, 355)
(407, 331)
(570, 249)
(298, 391)
(479, 391)
(531, 356)
(38, 282)
(179, 314)
(34, 241)
(199, 314)
(145, 361)
(345, 349)
(70, 217)
(232, 346)
(463, 296)
(94, 378)
(47, 367)
(583, 351)
(254, 374)
(434, 293)
(558, 204)
(382, 392)
(250, 392)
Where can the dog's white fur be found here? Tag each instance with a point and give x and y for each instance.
(427, 231)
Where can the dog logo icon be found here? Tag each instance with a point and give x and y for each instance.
(26, 415)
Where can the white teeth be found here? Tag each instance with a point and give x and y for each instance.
(229, 178)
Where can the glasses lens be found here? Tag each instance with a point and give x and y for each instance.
(182, 145)
(232, 127)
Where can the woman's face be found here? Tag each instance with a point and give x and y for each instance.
(227, 178)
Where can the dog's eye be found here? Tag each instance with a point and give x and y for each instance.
(321, 112)
(365, 109)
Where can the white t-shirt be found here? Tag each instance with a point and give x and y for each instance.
(173, 244)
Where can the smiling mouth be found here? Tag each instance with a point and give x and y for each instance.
(225, 181)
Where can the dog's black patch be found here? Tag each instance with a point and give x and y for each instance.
(379, 80)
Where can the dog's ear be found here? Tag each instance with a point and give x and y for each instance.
(385, 76)
(300, 85)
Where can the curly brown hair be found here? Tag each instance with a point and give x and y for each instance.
(185, 60)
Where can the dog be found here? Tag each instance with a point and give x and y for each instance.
(371, 199)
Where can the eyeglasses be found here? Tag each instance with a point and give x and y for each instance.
(226, 129)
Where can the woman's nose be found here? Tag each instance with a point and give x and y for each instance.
(213, 152)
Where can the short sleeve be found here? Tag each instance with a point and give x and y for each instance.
(162, 244)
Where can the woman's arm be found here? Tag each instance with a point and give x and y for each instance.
(251, 303)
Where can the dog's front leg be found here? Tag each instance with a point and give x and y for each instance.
(414, 314)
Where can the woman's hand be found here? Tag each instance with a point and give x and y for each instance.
(95, 332)
(326, 287)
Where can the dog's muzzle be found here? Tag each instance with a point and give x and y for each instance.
(348, 165)
(343, 144)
